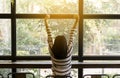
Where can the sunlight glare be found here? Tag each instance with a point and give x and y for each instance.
(71, 1)
(97, 3)
(36, 9)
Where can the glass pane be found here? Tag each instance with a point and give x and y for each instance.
(102, 6)
(101, 37)
(5, 37)
(4, 72)
(32, 36)
(5, 6)
(47, 6)
(42, 73)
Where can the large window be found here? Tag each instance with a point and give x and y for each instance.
(32, 36)
(101, 34)
(23, 35)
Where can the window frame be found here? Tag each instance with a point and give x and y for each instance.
(13, 16)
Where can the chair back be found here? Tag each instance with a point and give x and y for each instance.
(116, 76)
(52, 76)
(21, 75)
(96, 76)
(1, 76)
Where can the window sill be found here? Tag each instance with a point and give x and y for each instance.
(47, 64)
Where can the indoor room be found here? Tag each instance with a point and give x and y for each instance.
(59, 38)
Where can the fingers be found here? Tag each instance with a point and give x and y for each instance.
(76, 16)
(47, 16)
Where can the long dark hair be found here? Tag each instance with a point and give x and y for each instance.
(59, 48)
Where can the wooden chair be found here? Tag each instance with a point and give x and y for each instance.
(1, 76)
(52, 76)
(116, 76)
(96, 76)
(21, 75)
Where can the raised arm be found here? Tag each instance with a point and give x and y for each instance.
(50, 41)
(72, 32)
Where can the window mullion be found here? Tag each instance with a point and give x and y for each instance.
(80, 36)
(13, 32)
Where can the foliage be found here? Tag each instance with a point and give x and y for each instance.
(101, 36)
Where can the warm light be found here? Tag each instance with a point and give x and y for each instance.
(97, 3)
(71, 1)
(36, 9)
